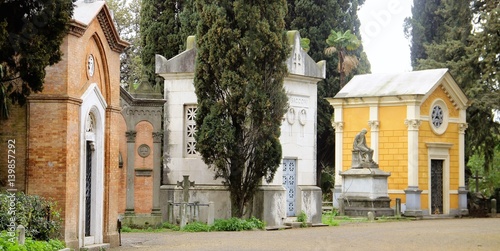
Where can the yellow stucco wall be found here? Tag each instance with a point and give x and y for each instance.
(355, 119)
(393, 145)
(451, 135)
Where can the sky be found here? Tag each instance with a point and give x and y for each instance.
(382, 34)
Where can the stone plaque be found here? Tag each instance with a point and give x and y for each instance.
(144, 150)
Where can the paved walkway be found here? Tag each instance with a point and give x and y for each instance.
(442, 234)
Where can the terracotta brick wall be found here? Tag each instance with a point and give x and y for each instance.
(143, 196)
(122, 191)
(14, 129)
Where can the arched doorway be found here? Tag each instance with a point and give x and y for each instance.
(92, 116)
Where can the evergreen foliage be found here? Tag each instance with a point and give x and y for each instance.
(423, 27)
(471, 54)
(240, 68)
(31, 33)
(159, 28)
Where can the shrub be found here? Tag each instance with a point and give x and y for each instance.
(237, 224)
(168, 225)
(7, 244)
(196, 227)
(38, 215)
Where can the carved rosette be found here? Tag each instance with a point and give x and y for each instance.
(413, 124)
(374, 124)
(338, 126)
(157, 137)
(462, 127)
(130, 136)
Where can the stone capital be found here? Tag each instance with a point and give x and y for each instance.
(374, 124)
(130, 136)
(413, 124)
(338, 126)
(157, 136)
(462, 127)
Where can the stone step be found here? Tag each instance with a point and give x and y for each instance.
(96, 247)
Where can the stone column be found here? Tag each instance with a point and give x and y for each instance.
(374, 134)
(157, 136)
(413, 205)
(130, 207)
(338, 125)
(462, 190)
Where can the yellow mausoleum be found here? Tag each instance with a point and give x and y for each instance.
(416, 123)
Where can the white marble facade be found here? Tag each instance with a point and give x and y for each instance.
(298, 138)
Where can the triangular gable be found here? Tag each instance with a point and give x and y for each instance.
(391, 84)
(452, 90)
(416, 83)
(83, 15)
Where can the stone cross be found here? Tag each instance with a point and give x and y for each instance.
(477, 177)
(185, 184)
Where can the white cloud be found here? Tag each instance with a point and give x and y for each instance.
(382, 34)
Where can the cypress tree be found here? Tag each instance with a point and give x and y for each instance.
(240, 68)
(424, 26)
(159, 26)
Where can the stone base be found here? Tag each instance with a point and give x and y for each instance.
(96, 247)
(360, 206)
(310, 201)
(269, 205)
(142, 220)
(365, 190)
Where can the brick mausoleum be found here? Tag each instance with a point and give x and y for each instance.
(67, 146)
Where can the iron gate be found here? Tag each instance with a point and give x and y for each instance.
(88, 189)
(290, 184)
(436, 186)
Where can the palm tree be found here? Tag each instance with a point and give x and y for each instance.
(343, 43)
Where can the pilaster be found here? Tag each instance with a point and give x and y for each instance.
(129, 207)
(338, 126)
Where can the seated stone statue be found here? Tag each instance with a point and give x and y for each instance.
(362, 154)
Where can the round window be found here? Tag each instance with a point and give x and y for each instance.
(438, 116)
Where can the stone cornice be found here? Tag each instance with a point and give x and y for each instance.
(125, 95)
(108, 27)
(110, 32)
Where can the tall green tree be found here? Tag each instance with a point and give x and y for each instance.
(159, 28)
(472, 57)
(314, 20)
(240, 68)
(31, 33)
(126, 15)
(424, 26)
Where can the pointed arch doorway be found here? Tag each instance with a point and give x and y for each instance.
(92, 118)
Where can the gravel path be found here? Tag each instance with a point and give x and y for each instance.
(442, 234)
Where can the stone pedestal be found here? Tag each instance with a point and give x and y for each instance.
(365, 190)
